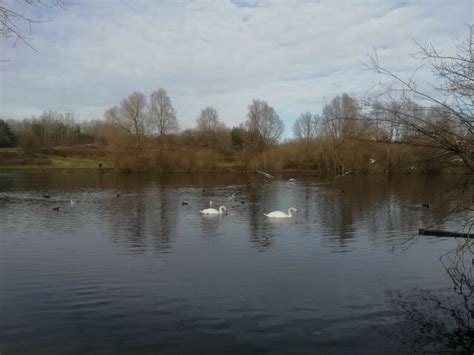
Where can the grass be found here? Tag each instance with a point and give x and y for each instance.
(78, 163)
(10, 150)
(54, 162)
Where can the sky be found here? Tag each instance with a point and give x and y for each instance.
(295, 54)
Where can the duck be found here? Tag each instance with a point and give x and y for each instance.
(279, 214)
(221, 210)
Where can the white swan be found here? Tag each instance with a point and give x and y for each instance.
(221, 210)
(279, 214)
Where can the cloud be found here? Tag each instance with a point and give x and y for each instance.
(294, 54)
(245, 3)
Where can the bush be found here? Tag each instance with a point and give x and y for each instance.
(7, 138)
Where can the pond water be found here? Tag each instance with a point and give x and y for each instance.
(132, 267)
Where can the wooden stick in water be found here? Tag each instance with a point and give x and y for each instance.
(443, 233)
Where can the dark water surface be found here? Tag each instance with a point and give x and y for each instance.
(142, 273)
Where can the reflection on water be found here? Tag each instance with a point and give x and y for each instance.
(133, 267)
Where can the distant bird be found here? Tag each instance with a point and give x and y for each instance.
(211, 203)
(242, 202)
(347, 172)
(221, 210)
(118, 195)
(456, 160)
(293, 180)
(412, 168)
(425, 205)
(56, 208)
(279, 214)
(73, 202)
(371, 160)
(291, 183)
(203, 190)
(46, 196)
(232, 197)
(268, 176)
(184, 203)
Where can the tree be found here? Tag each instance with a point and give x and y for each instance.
(7, 138)
(17, 17)
(161, 114)
(130, 116)
(305, 127)
(444, 118)
(340, 117)
(263, 124)
(237, 137)
(209, 120)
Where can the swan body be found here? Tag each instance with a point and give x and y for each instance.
(221, 210)
(279, 214)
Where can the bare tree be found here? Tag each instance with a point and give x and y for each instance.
(340, 117)
(130, 115)
(263, 124)
(161, 113)
(17, 18)
(305, 127)
(208, 120)
(443, 119)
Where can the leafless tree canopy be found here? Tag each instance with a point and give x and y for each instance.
(305, 127)
(209, 120)
(15, 20)
(442, 120)
(162, 115)
(263, 123)
(340, 117)
(130, 115)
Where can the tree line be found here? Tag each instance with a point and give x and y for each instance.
(401, 129)
(347, 136)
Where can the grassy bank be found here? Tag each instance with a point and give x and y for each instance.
(14, 158)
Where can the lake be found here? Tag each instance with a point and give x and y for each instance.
(132, 267)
